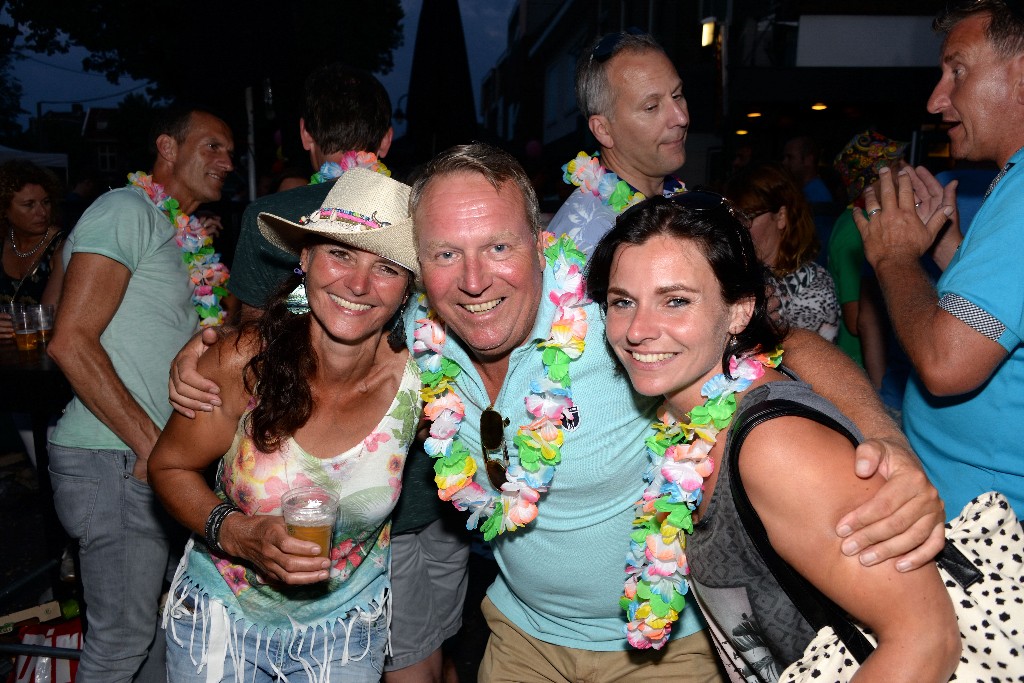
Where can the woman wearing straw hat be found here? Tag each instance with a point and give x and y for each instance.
(320, 397)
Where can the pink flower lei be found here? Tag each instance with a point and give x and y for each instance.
(539, 441)
(206, 273)
(656, 566)
(587, 173)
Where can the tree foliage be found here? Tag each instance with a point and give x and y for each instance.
(209, 50)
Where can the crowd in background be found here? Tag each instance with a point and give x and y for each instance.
(357, 304)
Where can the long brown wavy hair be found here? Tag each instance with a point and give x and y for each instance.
(279, 375)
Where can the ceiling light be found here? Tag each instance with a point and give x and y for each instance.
(819, 106)
(707, 31)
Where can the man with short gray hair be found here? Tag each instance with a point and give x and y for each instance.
(125, 309)
(632, 98)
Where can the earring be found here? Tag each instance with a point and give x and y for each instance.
(296, 302)
(396, 337)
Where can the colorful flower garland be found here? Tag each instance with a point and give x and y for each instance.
(333, 169)
(206, 273)
(656, 564)
(539, 442)
(587, 173)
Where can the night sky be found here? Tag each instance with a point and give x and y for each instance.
(59, 78)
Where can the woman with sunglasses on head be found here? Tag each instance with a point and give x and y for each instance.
(686, 316)
(316, 392)
(782, 227)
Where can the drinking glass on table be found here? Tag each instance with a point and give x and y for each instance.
(26, 327)
(44, 316)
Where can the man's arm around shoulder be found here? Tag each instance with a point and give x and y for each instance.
(904, 518)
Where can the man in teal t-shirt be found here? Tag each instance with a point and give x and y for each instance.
(554, 609)
(125, 310)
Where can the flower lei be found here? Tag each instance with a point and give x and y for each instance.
(206, 273)
(587, 173)
(539, 442)
(656, 564)
(333, 169)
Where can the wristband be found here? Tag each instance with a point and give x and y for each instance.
(214, 522)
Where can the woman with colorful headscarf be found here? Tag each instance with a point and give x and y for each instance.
(857, 166)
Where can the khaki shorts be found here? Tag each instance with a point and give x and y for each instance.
(512, 656)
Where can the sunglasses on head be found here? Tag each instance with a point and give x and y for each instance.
(751, 214)
(492, 441)
(694, 200)
(697, 201)
(610, 43)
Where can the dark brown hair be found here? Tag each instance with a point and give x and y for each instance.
(286, 362)
(278, 376)
(723, 238)
(16, 174)
(345, 109)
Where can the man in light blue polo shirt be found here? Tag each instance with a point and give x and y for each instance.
(554, 609)
(965, 401)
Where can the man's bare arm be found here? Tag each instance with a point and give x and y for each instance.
(94, 286)
(187, 389)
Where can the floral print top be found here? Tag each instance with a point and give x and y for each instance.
(367, 479)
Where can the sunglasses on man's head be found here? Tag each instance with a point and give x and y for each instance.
(492, 441)
(610, 43)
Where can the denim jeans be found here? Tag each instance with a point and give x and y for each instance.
(213, 648)
(123, 536)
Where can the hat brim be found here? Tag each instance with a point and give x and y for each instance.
(394, 242)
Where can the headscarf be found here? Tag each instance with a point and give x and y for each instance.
(858, 163)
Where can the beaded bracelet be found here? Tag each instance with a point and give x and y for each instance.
(214, 522)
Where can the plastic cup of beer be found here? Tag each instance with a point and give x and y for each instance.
(26, 328)
(310, 513)
(45, 313)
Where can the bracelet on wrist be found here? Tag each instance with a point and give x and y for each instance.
(217, 516)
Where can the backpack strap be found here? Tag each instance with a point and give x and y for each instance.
(816, 608)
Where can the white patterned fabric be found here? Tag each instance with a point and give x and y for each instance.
(990, 612)
(808, 300)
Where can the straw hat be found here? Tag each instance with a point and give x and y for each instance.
(364, 209)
